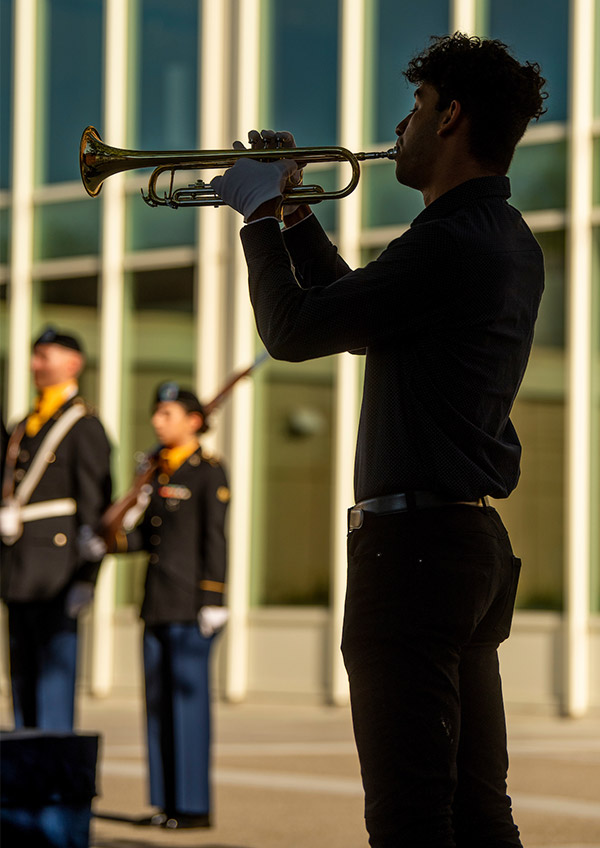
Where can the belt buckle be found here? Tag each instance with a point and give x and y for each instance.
(355, 518)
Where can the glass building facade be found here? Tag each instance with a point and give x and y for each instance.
(157, 293)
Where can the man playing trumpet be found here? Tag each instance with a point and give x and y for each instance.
(445, 316)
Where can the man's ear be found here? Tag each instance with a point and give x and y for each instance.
(451, 117)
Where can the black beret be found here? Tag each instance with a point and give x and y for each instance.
(51, 336)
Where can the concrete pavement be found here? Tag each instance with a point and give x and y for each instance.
(288, 777)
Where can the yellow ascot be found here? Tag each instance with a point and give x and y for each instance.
(49, 401)
(172, 458)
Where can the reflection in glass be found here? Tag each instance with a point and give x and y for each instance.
(70, 75)
(300, 79)
(398, 31)
(164, 78)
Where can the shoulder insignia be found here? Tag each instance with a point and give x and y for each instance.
(195, 459)
(223, 494)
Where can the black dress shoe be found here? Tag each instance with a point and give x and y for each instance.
(184, 820)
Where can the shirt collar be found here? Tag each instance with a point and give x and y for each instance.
(471, 191)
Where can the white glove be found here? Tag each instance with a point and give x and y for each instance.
(270, 140)
(11, 525)
(91, 547)
(78, 597)
(135, 512)
(212, 619)
(249, 183)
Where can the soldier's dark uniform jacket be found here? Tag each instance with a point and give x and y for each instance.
(45, 560)
(183, 530)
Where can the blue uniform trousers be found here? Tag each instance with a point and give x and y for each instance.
(176, 667)
(43, 664)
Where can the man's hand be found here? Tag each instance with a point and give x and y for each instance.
(250, 186)
(270, 140)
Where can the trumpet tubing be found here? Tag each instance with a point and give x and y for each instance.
(98, 161)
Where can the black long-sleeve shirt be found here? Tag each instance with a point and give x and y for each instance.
(446, 316)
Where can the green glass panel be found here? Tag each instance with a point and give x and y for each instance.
(537, 32)
(386, 203)
(595, 470)
(327, 211)
(66, 229)
(538, 176)
(147, 227)
(597, 66)
(534, 513)
(4, 236)
(300, 94)
(6, 85)
(3, 347)
(550, 324)
(158, 345)
(596, 174)
(391, 43)
(70, 69)
(291, 499)
(164, 73)
(71, 305)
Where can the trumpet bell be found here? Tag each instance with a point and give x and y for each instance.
(94, 161)
(98, 160)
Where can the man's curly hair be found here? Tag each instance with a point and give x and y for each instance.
(499, 95)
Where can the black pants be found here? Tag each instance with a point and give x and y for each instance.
(430, 597)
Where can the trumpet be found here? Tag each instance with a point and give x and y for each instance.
(98, 160)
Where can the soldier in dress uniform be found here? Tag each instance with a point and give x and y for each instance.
(185, 498)
(56, 487)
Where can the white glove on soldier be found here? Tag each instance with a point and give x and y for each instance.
(135, 512)
(91, 547)
(249, 183)
(78, 597)
(212, 619)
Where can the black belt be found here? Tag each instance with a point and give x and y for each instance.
(387, 504)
